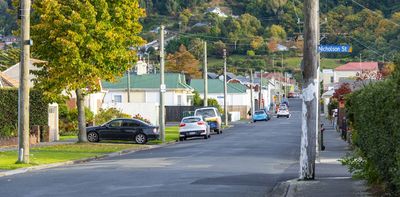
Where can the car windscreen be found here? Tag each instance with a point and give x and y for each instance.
(283, 108)
(259, 112)
(191, 120)
(205, 113)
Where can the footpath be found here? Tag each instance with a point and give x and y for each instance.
(332, 178)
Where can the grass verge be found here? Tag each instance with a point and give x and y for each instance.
(171, 135)
(62, 153)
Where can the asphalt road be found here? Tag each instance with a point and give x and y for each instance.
(246, 160)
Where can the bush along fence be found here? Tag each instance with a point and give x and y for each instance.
(9, 111)
(374, 117)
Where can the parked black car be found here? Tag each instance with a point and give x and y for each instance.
(123, 129)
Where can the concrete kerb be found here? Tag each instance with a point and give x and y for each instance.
(280, 189)
(53, 165)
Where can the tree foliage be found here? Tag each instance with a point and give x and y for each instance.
(83, 42)
(183, 61)
(9, 57)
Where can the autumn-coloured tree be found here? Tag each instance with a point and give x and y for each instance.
(341, 91)
(84, 41)
(183, 61)
(257, 42)
(272, 45)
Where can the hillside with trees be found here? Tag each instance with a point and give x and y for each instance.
(255, 29)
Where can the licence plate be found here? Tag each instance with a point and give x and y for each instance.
(192, 133)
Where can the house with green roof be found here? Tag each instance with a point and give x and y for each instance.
(238, 98)
(145, 89)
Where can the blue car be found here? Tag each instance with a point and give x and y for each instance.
(260, 116)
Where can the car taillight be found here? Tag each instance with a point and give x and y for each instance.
(201, 123)
(182, 125)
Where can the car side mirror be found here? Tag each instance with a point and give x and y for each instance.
(107, 125)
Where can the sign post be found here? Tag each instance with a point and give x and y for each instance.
(335, 49)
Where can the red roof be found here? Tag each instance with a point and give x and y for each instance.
(357, 66)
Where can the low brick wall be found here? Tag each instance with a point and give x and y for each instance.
(34, 137)
(13, 141)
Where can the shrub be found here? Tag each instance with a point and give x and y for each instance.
(140, 117)
(38, 110)
(374, 113)
(68, 120)
(106, 115)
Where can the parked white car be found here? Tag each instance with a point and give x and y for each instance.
(283, 111)
(193, 126)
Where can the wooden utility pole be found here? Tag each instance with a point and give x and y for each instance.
(310, 97)
(205, 103)
(162, 86)
(260, 95)
(225, 92)
(23, 99)
(251, 93)
(128, 84)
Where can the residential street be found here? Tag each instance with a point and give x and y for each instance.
(246, 160)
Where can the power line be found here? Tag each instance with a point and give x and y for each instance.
(359, 4)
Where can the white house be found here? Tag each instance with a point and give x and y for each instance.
(217, 11)
(238, 97)
(146, 88)
(145, 94)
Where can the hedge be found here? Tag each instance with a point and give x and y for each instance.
(9, 110)
(374, 114)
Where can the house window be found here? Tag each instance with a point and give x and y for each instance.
(179, 100)
(332, 79)
(118, 98)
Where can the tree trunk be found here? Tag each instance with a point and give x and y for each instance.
(80, 98)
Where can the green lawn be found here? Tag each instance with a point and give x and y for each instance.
(61, 153)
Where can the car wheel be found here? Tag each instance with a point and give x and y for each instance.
(217, 131)
(206, 136)
(141, 138)
(181, 139)
(93, 137)
(254, 120)
(287, 116)
(277, 116)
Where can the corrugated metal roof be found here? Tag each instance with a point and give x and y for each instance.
(217, 86)
(358, 66)
(149, 81)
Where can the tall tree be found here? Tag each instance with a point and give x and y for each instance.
(183, 61)
(84, 41)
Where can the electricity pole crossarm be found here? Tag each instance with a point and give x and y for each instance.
(310, 97)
